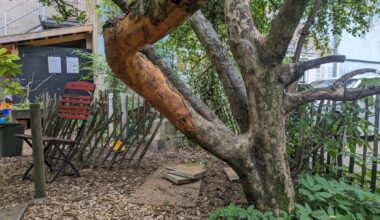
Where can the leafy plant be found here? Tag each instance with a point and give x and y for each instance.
(8, 69)
(317, 198)
(97, 66)
(233, 211)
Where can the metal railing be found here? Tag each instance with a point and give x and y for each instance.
(28, 15)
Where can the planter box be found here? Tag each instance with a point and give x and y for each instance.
(10, 145)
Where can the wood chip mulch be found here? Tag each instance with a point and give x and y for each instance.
(103, 194)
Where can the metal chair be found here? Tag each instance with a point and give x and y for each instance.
(62, 137)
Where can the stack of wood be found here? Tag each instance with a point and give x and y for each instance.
(184, 173)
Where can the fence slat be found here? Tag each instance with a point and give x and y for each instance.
(375, 144)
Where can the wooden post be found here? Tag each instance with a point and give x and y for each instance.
(375, 144)
(110, 112)
(365, 146)
(38, 154)
(124, 110)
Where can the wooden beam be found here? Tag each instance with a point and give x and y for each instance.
(55, 40)
(45, 34)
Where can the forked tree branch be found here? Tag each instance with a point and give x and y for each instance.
(145, 23)
(293, 72)
(155, 58)
(306, 28)
(335, 92)
(232, 83)
(282, 31)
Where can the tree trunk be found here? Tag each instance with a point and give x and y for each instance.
(258, 155)
(266, 178)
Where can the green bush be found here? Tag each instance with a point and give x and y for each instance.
(317, 198)
(323, 199)
(9, 69)
(233, 211)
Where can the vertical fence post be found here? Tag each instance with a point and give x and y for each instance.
(124, 111)
(110, 111)
(375, 144)
(38, 155)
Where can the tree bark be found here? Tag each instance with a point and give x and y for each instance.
(259, 154)
(268, 150)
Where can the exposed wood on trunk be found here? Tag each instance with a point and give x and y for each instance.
(146, 22)
(142, 26)
(174, 79)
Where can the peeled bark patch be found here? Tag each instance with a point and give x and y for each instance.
(147, 22)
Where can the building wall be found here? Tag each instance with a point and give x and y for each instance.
(24, 15)
(36, 74)
(360, 52)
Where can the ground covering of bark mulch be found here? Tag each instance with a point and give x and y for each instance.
(103, 194)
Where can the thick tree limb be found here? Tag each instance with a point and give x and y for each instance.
(195, 102)
(335, 92)
(305, 29)
(282, 31)
(232, 83)
(292, 73)
(151, 54)
(146, 22)
(243, 35)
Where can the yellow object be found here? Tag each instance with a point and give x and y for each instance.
(4, 105)
(118, 145)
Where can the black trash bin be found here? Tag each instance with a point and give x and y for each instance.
(10, 146)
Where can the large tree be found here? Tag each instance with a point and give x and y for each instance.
(259, 101)
(259, 86)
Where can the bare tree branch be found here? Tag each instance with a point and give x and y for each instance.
(342, 80)
(305, 29)
(292, 73)
(335, 92)
(281, 33)
(232, 83)
(195, 102)
(243, 36)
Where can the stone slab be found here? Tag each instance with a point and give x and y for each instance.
(231, 174)
(193, 171)
(158, 191)
(13, 212)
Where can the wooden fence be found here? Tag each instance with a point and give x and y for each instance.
(338, 139)
(119, 132)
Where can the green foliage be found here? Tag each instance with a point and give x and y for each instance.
(97, 66)
(370, 81)
(335, 17)
(8, 69)
(317, 198)
(233, 211)
(194, 67)
(66, 11)
(318, 125)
